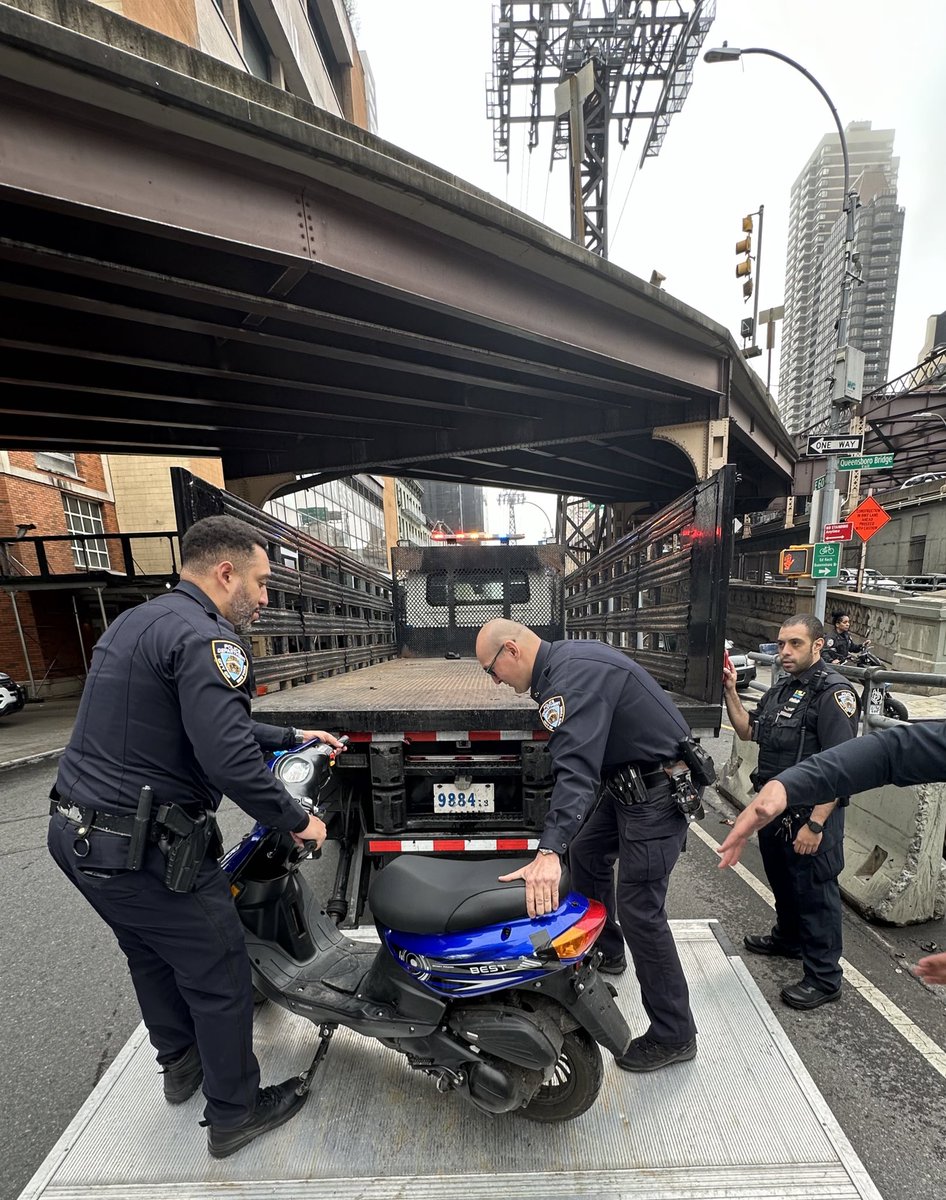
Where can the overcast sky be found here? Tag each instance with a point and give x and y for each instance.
(744, 134)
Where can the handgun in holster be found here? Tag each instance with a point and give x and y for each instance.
(184, 841)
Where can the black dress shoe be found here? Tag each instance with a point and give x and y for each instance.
(183, 1077)
(764, 943)
(806, 995)
(274, 1107)
(644, 1054)
(612, 964)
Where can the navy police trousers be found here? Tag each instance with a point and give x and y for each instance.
(187, 959)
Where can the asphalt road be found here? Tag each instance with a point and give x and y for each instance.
(67, 1006)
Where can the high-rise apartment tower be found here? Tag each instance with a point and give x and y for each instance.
(814, 267)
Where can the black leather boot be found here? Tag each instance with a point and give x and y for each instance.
(274, 1107)
(183, 1077)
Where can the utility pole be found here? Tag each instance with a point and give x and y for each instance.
(846, 389)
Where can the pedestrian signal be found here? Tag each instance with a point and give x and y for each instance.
(796, 560)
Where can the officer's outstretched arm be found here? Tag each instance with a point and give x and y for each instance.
(770, 803)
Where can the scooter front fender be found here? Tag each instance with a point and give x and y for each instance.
(589, 999)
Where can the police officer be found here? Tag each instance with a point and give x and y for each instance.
(166, 706)
(609, 721)
(905, 755)
(838, 643)
(809, 710)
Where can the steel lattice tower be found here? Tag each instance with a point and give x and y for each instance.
(583, 64)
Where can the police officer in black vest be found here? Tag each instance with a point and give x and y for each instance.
(611, 724)
(163, 729)
(812, 708)
(904, 755)
(838, 643)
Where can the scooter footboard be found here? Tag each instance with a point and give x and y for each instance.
(590, 1001)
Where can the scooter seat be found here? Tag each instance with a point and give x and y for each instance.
(449, 895)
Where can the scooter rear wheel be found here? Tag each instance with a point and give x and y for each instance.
(895, 708)
(575, 1083)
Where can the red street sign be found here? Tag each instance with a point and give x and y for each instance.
(867, 518)
(843, 531)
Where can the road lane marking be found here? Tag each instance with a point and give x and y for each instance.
(893, 1015)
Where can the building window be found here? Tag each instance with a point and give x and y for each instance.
(84, 516)
(60, 464)
(256, 50)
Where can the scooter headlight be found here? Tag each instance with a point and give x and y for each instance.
(294, 769)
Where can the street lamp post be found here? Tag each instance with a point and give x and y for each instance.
(827, 512)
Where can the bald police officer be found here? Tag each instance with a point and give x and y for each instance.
(167, 706)
(812, 708)
(609, 722)
(905, 755)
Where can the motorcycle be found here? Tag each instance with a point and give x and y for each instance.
(879, 702)
(507, 1011)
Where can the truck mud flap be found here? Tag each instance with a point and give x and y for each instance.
(591, 1002)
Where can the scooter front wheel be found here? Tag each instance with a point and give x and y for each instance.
(575, 1083)
(894, 708)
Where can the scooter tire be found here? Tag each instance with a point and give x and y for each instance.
(895, 708)
(575, 1083)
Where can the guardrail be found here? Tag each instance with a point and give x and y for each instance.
(869, 676)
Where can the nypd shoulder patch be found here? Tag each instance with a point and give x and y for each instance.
(552, 712)
(846, 702)
(231, 661)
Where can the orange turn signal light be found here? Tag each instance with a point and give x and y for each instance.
(583, 934)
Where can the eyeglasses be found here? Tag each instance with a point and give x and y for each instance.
(489, 670)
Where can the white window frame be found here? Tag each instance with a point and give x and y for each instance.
(85, 516)
(57, 461)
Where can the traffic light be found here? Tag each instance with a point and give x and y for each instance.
(744, 268)
(795, 561)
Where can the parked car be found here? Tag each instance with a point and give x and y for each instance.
(873, 580)
(925, 583)
(12, 696)
(926, 477)
(742, 664)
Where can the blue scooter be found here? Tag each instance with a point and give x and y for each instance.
(508, 1011)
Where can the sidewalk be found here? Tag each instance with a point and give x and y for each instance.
(36, 732)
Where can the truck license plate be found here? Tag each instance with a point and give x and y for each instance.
(464, 797)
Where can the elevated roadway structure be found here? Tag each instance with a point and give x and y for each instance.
(196, 262)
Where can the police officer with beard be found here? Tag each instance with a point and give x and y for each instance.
(163, 729)
(615, 740)
(811, 709)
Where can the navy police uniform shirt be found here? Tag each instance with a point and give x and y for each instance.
(602, 711)
(167, 704)
(904, 755)
(838, 646)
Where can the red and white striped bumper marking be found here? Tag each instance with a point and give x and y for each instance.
(443, 845)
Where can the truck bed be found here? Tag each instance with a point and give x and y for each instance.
(425, 694)
(744, 1121)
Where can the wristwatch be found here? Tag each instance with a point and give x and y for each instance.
(546, 850)
(814, 826)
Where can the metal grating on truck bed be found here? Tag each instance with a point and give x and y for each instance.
(743, 1121)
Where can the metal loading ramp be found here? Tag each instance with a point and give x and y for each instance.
(743, 1121)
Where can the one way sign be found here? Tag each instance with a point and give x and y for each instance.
(827, 444)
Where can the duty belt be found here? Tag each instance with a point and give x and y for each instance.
(88, 819)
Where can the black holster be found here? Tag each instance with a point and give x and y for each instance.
(184, 842)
